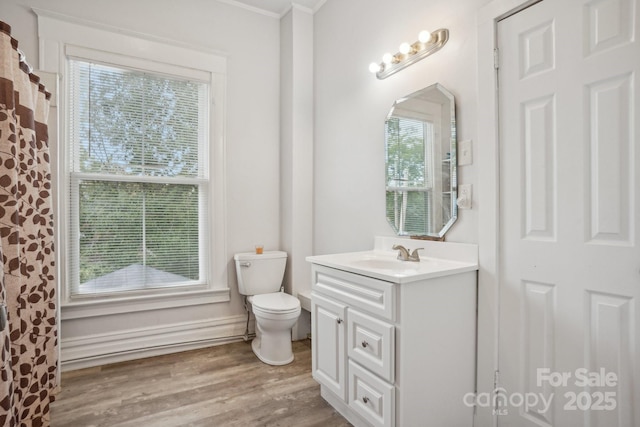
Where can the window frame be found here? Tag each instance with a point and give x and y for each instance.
(61, 37)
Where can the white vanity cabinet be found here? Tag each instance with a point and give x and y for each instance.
(394, 354)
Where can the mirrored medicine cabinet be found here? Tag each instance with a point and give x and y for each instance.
(421, 168)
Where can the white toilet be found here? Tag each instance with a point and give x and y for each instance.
(260, 278)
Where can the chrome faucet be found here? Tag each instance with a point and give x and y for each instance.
(403, 254)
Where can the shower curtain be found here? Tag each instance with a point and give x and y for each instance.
(28, 294)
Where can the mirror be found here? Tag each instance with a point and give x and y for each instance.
(421, 167)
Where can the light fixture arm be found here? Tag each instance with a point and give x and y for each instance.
(417, 52)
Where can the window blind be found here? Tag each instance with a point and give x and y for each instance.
(138, 177)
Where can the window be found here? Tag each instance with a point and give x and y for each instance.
(155, 167)
(138, 178)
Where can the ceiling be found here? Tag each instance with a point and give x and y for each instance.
(275, 7)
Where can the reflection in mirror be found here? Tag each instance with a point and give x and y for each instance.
(420, 150)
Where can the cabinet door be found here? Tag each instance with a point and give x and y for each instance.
(328, 360)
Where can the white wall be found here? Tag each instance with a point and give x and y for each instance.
(296, 155)
(351, 106)
(251, 43)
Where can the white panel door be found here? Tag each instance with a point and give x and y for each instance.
(569, 221)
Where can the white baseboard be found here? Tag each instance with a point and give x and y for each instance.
(102, 349)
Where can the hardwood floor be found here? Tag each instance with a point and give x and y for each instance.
(217, 386)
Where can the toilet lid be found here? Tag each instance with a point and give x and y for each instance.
(276, 302)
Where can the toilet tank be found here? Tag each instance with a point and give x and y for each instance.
(260, 273)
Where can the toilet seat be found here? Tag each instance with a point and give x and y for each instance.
(275, 303)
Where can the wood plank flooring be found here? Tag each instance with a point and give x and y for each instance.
(218, 386)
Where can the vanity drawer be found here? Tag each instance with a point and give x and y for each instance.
(372, 295)
(371, 343)
(371, 397)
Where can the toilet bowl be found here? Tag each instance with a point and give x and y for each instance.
(259, 279)
(275, 313)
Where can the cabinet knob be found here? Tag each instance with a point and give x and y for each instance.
(339, 320)
(365, 399)
(365, 344)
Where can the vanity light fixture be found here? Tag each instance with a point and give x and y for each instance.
(408, 54)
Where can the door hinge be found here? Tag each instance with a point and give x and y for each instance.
(496, 58)
(496, 379)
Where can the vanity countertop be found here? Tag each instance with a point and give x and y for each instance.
(382, 263)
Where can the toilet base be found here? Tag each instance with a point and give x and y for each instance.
(279, 353)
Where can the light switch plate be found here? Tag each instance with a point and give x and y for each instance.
(465, 153)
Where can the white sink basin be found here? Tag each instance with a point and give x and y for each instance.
(384, 265)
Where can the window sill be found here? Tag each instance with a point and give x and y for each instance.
(105, 307)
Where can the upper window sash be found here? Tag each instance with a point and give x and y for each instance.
(129, 122)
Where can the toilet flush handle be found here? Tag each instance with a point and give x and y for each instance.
(245, 264)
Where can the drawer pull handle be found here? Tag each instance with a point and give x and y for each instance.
(365, 344)
(365, 399)
(339, 320)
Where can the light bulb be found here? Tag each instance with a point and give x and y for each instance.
(387, 58)
(374, 67)
(405, 48)
(424, 36)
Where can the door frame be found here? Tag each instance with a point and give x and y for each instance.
(488, 157)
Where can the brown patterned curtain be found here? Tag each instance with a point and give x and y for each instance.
(28, 294)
